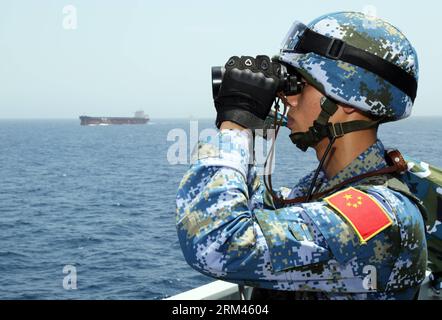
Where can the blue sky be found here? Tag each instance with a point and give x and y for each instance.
(156, 55)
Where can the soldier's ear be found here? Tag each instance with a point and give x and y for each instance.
(348, 110)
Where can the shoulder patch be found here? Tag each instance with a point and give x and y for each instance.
(362, 211)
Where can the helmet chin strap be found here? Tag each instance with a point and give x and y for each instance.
(321, 129)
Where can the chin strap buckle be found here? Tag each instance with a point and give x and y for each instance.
(336, 130)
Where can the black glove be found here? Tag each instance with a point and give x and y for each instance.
(247, 92)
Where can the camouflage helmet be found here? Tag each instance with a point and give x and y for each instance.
(349, 83)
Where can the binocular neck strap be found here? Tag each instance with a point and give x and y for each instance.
(394, 168)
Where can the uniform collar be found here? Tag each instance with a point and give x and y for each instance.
(370, 160)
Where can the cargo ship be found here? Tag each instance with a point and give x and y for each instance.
(138, 118)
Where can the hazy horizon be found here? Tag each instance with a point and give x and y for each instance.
(62, 59)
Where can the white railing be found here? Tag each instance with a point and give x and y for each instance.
(217, 290)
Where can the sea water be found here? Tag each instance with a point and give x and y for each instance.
(97, 204)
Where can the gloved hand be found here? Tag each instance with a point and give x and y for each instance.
(247, 92)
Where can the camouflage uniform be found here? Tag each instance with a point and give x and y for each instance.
(228, 231)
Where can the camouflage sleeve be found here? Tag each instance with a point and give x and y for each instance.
(227, 234)
(260, 198)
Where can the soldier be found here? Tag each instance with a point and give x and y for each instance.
(358, 233)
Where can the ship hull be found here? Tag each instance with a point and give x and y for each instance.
(90, 121)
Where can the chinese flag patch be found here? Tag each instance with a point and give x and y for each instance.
(365, 215)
